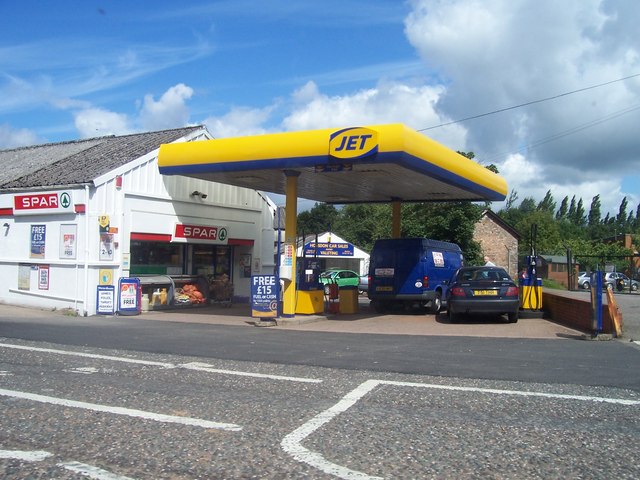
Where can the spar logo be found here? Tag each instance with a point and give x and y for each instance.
(42, 203)
(200, 233)
(354, 142)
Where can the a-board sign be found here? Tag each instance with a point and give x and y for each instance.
(264, 296)
(106, 300)
(129, 296)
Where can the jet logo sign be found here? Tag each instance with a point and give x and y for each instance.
(355, 142)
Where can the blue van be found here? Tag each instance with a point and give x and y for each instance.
(411, 273)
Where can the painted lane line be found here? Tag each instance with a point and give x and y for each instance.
(89, 355)
(190, 366)
(522, 393)
(91, 471)
(156, 417)
(204, 367)
(25, 456)
(292, 442)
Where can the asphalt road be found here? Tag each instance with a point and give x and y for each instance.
(122, 397)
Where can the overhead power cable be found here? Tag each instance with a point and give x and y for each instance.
(530, 103)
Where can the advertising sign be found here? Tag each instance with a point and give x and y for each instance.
(200, 234)
(105, 300)
(43, 277)
(264, 296)
(68, 238)
(355, 142)
(129, 296)
(328, 249)
(43, 203)
(38, 240)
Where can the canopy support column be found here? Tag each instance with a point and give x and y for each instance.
(395, 217)
(290, 228)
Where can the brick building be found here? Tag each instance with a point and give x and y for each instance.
(498, 240)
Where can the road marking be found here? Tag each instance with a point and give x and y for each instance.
(26, 456)
(89, 355)
(157, 417)
(204, 367)
(91, 471)
(291, 443)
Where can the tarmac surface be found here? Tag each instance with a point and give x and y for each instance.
(530, 325)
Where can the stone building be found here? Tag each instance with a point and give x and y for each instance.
(498, 240)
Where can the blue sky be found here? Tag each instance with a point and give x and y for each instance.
(80, 69)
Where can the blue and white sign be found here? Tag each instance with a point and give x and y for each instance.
(105, 300)
(129, 296)
(264, 296)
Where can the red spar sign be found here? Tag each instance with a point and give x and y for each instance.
(200, 233)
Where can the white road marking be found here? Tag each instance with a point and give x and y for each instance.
(91, 471)
(203, 367)
(83, 370)
(26, 456)
(189, 366)
(89, 355)
(156, 417)
(291, 443)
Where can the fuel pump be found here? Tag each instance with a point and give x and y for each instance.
(530, 284)
(309, 294)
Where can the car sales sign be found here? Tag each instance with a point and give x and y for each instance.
(42, 203)
(200, 234)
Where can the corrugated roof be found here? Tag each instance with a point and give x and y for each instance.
(80, 161)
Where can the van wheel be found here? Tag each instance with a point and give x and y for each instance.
(436, 303)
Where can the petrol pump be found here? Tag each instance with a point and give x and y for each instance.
(530, 284)
(309, 295)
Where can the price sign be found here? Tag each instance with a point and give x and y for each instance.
(264, 296)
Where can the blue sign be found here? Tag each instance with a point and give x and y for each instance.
(264, 296)
(38, 240)
(324, 249)
(129, 296)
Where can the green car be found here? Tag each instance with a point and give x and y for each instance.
(344, 278)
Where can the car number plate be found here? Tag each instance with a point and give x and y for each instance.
(485, 292)
(384, 289)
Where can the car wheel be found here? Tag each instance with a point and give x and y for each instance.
(634, 286)
(513, 317)
(436, 303)
(327, 290)
(586, 285)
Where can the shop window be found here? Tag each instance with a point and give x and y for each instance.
(156, 258)
(212, 260)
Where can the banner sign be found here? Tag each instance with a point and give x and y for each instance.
(328, 249)
(200, 234)
(264, 296)
(105, 300)
(129, 296)
(43, 203)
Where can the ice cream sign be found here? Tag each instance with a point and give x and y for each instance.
(42, 203)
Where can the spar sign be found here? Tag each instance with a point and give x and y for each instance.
(200, 234)
(42, 203)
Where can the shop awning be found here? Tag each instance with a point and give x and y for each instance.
(379, 163)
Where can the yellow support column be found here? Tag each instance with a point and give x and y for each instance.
(395, 218)
(290, 227)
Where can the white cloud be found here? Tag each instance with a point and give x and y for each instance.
(12, 138)
(239, 121)
(170, 111)
(95, 122)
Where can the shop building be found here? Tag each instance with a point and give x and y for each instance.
(78, 217)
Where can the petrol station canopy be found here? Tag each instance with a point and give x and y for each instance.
(372, 164)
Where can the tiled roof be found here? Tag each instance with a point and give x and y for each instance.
(80, 161)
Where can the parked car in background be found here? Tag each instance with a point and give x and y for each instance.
(482, 290)
(363, 286)
(619, 281)
(343, 278)
(584, 280)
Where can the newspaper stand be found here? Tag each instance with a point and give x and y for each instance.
(221, 291)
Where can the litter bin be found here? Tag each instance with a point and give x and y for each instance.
(348, 299)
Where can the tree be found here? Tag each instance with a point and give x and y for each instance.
(547, 204)
(562, 211)
(594, 211)
(317, 220)
(621, 219)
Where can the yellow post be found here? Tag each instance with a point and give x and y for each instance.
(395, 218)
(290, 227)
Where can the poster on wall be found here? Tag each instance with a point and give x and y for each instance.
(43, 277)
(106, 247)
(38, 237)
(245, 265)
(68, 237)
(105, 300)
(24, 277)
